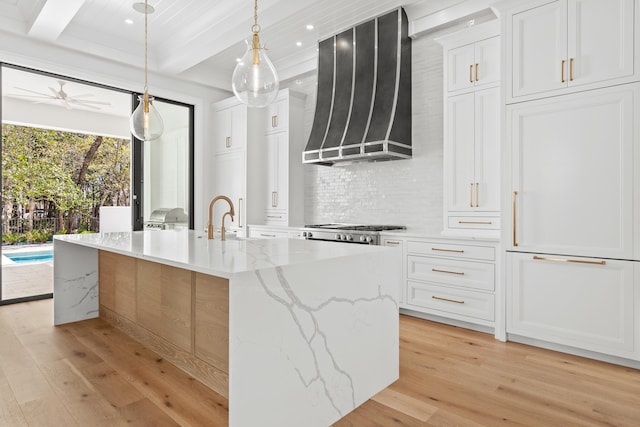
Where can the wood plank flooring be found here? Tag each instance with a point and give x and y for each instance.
(90, 374)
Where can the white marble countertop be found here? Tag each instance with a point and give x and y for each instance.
(193, 251)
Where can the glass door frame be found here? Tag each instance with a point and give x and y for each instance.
(137, 170)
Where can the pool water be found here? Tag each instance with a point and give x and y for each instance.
(28, 257)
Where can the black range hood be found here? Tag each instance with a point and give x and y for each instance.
(363, 100)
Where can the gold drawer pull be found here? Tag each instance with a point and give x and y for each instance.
(579, 261)
(477, 196)
(475, 222)
(459, 273)
(477, 72)
(227, 142)
(447, 299)
(471, 73)
(392, 242)
(471, 195)
(459, 251)
(562, 79)
(274, 216)
(267, 235)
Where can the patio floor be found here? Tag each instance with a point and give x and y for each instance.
(23, 280)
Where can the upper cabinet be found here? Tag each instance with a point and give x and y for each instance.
(474, 64)
(229, 125)
(569, 45)
(277, 115)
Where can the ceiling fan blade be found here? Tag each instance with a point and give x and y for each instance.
(82, 104)
(29, 96)
(82, 101)
(55, 93)
(84, 95)
(33, 91)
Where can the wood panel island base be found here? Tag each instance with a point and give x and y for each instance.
(292, 332)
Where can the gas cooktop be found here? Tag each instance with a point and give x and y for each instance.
(348, 233)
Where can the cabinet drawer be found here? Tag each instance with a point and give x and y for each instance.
(475, 222)
(452, 250)
(469, 274)
(451, 300)
(267, 234)
(276, 218)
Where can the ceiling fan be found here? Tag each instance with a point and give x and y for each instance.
(62, 97)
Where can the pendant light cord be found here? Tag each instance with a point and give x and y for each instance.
(255, 28)
(146, 58)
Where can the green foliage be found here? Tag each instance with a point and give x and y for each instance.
(42, 165)
(38, 236)
(13, 238)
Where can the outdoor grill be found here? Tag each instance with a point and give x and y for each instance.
(167, 219)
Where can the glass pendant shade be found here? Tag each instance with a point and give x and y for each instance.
(146, 123)
(254, 80)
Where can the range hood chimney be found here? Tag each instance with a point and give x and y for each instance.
(363, 102)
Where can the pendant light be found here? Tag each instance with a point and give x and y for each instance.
(254, 80)
(145, 123)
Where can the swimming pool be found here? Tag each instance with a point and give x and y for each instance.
(30, 257)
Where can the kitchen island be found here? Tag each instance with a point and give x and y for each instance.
(292, 332)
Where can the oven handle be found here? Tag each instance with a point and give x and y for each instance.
(340, 241)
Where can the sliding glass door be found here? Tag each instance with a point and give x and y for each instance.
(70, 165)
(163, 171)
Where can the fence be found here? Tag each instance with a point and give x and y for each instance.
(18, 225)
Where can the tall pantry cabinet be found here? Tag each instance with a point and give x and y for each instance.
(256, 161)
(572, 179)
(472, 131)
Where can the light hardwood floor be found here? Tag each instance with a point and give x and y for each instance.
(90, 374)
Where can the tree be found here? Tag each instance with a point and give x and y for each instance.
(75, 173)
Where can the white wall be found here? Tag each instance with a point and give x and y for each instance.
(401, 192)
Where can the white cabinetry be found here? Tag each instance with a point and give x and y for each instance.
(555, 46)
(283, 198)
(452, 279)
(229, 126)
(585, 303)
(570, 224)
(233, 138)
(266, 232)
(474, 64)
(399, 244)
(472, 132)
(572, 174)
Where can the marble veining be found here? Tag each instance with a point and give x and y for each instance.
(313, 326)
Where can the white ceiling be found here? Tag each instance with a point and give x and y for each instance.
(194, 40)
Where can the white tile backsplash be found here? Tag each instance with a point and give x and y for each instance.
(402, 192)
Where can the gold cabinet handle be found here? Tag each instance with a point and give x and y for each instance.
(459, 251)
(471, 194)
(274, 216)
(274, 121)
(228, 142)
(471, 73)
(240, 212)
(392, 242)
(437, 270)
(477, 186)
(447, 299)
(562, 80)
(570, 69)
(477, 72)
(579, 261)
(476, 222)
(514, 201)
(267, 235)
(274, 199)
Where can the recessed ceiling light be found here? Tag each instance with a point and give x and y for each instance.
(238, 59)
(128, 21)
(310, 27)
(298, 44)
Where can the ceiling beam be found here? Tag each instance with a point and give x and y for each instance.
(53, 18)
(231, 30)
